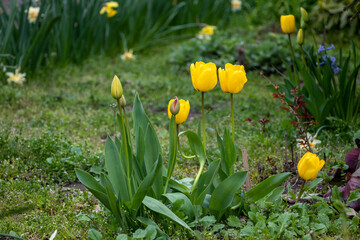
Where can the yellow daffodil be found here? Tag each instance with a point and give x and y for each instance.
(206, 32)
(17, 78)
(309, 166)
(287, 23)
(233, 78)
(108, 7)
(33, 13)
(116, 88)
(183, 113)
(236, 5)
(203, 76)
(128, 56)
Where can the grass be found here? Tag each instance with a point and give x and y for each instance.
(58, 122)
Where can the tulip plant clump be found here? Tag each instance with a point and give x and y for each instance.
(137, 186)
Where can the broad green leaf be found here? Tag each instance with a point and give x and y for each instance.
(145, 186)
(179, 187)
(204, 183)
(224, 193)
(275, 194)
(265, 187)
(159, 207)
(114, 208)
(94, 234)
(93, 186)
(196, 146)
(172, 150)
(187, 207)
(117, 174)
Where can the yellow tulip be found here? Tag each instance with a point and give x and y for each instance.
(233, 78)
(109, 8)
(116, 88)
(309, 166)
(287, 23)
(304, 15)
(203, 76)
(181, 117)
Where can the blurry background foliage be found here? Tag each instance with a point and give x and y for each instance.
(70, 30)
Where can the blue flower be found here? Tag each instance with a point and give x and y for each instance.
(331, 47)
(322, 64)
(321, 49)
(332, 60)
(336, 70)
(324, 57)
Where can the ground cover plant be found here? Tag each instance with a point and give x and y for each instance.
(185, 140)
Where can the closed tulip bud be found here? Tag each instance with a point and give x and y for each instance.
(233, 78)
(309, 166)
(183, 113)
(300, 37)
(175, 106)
(122, 101)
(116, 88)
(203, 76)
(287, 23)
(304, 15)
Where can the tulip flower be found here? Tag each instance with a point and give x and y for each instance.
(309, 166)
(204, 79)
(300, 37)
(232, 80)
(287, 24)
(203, 76)
(183, 113)
(308, 169)
(108, 7)
(116, 88)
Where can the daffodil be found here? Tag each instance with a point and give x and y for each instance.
(309, 166)
(236, 5)
(17, 78)
(108, 7)
(206, 32)
(183, 113)
(33, 13)
(128, 56)
(312, 142)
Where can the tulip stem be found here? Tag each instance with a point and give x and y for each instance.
(203, 120)
(303, 56)
(301, 191)
(232, 116)
(125, 141)
(179, 145)
(198, 176)
(294, 62)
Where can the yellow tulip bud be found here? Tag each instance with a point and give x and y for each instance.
(203, 76)
(287, 23)
(116, 88)
(122, 101)
(233, 78)
(300, 37)
(309, 166)
(175, 106)
(304, 15)
(182, 115)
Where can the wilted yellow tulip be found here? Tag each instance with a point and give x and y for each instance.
(182, 115)
(287, 23)
(203, 76)
(233, 78)
(309, 166)
(109, 8)
(116, 88)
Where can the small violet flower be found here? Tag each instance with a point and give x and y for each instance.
(321, 49)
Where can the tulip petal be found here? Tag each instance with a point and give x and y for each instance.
(207, 80)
